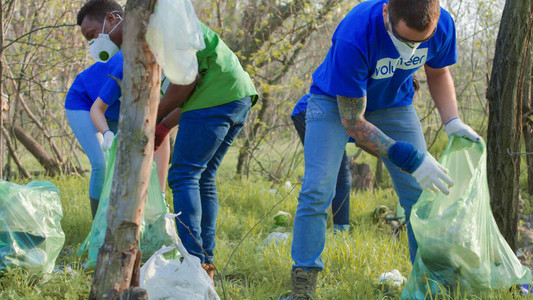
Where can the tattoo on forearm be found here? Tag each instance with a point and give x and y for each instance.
(364, 133)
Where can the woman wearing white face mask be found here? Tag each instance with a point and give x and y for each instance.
(85, 91)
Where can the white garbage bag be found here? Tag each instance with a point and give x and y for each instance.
(174, 36)
(172, 279)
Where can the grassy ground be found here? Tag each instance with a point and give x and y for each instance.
(250, 268)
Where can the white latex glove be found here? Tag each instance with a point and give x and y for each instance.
(432, 176)
(457, 127)
(109, 136)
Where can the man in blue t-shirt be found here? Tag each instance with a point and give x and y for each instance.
(363, 89)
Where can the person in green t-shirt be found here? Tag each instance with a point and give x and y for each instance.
(211, 112)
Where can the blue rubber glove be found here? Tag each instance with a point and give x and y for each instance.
(425, 169)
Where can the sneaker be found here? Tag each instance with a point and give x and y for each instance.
(303, 284)
(210, 269)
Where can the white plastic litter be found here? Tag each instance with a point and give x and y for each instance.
(276, 237)
(171, 279)
(393, 277)
(174, 36)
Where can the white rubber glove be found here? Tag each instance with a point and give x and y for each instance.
(457, 127)
(432, 176)
(109, 136)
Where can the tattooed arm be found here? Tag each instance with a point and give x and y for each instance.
(365, 134)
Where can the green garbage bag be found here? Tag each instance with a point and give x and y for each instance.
(30, 226)
(152, 234)
(459, 244)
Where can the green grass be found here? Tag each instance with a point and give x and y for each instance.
(251, 269)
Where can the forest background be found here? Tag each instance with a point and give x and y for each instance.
(280, 43)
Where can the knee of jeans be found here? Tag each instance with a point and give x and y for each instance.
(177, 179)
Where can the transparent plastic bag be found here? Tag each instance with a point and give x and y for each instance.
(459, 243)
(30, 226)
(152, 234)
(174, 36)
(164, 278)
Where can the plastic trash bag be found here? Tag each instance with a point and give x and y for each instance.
(164, 278)
(174, 36)
(459, 243)
(30, 226)
(152, 234)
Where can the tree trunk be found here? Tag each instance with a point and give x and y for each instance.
(13, 154)
(528, 121)
(1, 91)
(504, 95)
(34, 147)
(117, 268)
(378, 179)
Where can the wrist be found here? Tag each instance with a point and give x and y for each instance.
(161, 129)
(450, 120)
(107, 132)
(406, 156)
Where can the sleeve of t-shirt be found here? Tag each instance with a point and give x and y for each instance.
(110, 91)
(447, 52)
(346, 70)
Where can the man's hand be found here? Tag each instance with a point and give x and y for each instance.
(109, 136)
(161, 132)
(424, 168)
(431, 175)
(456, 127)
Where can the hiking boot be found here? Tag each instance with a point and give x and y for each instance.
(210, 269)
(303, 284)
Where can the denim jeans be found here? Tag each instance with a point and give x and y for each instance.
(340, 205)
(90, 140)
(203, 138)
(325, 140)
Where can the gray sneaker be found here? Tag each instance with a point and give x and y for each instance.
(303, 284)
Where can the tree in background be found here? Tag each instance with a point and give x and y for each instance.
(505, 94)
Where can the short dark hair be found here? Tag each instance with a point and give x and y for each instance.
(98, 9)
(417, 14)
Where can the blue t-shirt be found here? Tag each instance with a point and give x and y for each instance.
(301, 105)
(87, 86)
(363, 61)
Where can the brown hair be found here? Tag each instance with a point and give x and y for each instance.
(417, 14)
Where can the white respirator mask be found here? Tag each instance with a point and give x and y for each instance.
(406, 50)
(102, 48)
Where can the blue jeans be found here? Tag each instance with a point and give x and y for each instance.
(203, 138)
(340, 205)
(325, 141)
(90, 140)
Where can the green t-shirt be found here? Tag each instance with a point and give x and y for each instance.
(222, 78)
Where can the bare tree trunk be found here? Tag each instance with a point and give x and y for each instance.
(1, 90)
(14, 155)
(505, 118)
(34, 147)
(528, 120)
(117, 268)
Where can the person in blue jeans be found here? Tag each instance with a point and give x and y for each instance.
(211, 112)
(81, 95)
(363, 89)
(340, 205)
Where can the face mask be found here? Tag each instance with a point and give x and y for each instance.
(406, 50)
(102, 48)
